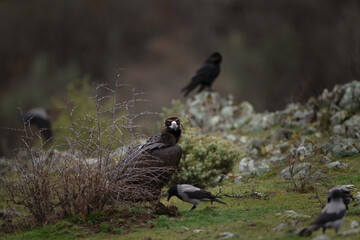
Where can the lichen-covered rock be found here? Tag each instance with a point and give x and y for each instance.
(336, 164)
(338, 117)
(340, 147)
(248, 166)
(353, 127)
(298, 171)
(339, 130)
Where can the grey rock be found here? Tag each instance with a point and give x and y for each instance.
(280, 227)
(339, 130)
(353, 127)
(248, 166)
(310, 130)
(226, 235)
(8, 213)
(340, 147)
(337, 164)
(321, 237)
(325, 159)
(293, 214)
(238, 180)
(351, 232)
(299, 171)
(338, 117)
(277, 159)
(197, 230)
(354, 224)
(282, 134)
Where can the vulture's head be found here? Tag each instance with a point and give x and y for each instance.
(172, 124)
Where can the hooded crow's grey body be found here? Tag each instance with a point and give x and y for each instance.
(191, 194)
(332, 215)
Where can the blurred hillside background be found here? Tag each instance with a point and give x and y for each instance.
(274, 52)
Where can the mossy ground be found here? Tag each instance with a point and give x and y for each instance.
(247, 218)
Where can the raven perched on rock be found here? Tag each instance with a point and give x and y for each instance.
(205, 76)
(158, 157)
(191, 194)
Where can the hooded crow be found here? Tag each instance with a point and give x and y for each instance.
(39, 117)
(332, 215)
(205, 76)
(346, 195)
(191, 194)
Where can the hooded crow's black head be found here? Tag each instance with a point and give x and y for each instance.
(336, 194)
(173, 192)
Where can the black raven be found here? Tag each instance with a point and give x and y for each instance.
(205, 76)
(191, 194)
(39, 117)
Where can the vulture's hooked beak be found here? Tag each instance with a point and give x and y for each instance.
(173, 125)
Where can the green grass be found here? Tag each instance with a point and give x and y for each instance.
(247, 218)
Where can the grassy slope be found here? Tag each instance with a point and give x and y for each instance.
(247, 218)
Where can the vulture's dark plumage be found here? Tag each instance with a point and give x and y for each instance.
(205, 76)
(158, 157)
(39, 117)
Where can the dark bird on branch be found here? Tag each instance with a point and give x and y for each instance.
(158, 157)
(191, 194)
(332, 215)
(205, 76)
(39, 118)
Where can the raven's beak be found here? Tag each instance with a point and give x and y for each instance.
(169, 197)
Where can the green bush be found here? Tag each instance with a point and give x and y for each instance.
(205, 160)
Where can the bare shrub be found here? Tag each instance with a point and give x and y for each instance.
(90, 170)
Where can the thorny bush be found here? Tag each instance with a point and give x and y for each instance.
(88, 171)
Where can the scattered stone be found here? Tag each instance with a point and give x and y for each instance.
(226, 235)
(238, 180)
(248, 166)
(299, 171)
(337, 164)
(293, 214)
(282, 134)
(339, 130)
(350, 232)
(8, 213)
(197, 230)
(321, 237)
(280, 227)
(338, 117)
(353, 127)
(325, 159)
(354, 224)
(185, 228)
(310, 130)
(340, 147)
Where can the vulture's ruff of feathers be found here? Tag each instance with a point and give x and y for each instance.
(158, 157)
